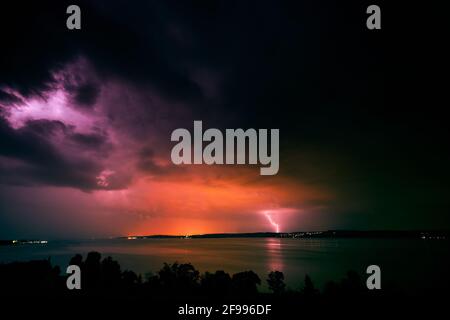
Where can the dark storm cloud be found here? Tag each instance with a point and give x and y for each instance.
(147, 163)
(38, 42)
(35, 160)
(27, 144)
(290, 56)
(8, 99)
(41, 127)
(94, 141)
(84, 95)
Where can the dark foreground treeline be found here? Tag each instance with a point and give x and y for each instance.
(106, 278)
(106, 288)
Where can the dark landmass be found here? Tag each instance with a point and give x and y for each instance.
(417, 234)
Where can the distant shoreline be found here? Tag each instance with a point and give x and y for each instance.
(329, 234)
(419, 234)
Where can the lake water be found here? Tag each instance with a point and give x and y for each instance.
(413, 265)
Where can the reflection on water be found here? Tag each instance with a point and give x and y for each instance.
(274, 254)
(415, 264)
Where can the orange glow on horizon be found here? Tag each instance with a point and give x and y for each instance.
(209, 201)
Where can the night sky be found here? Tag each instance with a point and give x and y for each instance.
(86, 117)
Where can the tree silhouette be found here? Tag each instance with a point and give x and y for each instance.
(130, 282)
(309, 289)
(331, 289)
(111, 274)
(352, 284)
(179, 278)
(216, 284)
(275, 281)
(244, 283)
(33, 277)
(77, 260)
(91, 273)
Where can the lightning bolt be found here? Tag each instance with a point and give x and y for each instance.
(269, 218)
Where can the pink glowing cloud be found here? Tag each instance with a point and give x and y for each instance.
(54, 107)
